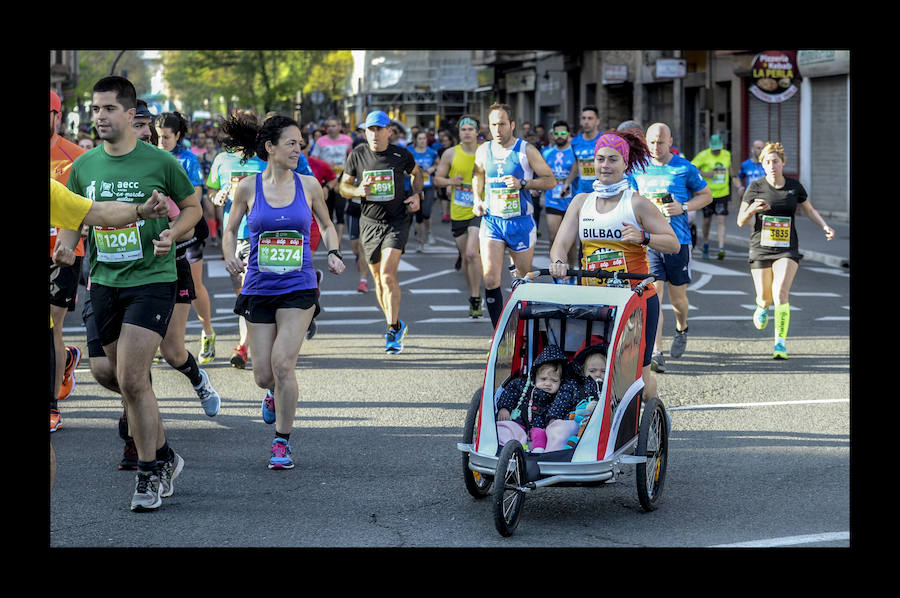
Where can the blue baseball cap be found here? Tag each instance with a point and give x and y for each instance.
(377, 118)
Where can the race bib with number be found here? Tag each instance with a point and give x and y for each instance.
(504, 202)
(116, 245)
(235, 178)
(604, 259)
(382, 188)
(720, 175)
(776, 231)
(463, 196)
(280, 251)
(658, 199)
(586, 169)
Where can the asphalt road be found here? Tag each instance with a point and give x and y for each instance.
(759, 454)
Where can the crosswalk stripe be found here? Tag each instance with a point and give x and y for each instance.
(426, 277)
(348, 322)
(705, 292)
(434, 291)
(452, 320)
(806, 294)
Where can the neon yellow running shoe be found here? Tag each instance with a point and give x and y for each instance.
(207, 348)
(779, 352)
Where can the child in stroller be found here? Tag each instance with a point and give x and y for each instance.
(528, 404)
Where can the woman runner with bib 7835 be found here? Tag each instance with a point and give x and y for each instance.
(771, 203)
(615, 220)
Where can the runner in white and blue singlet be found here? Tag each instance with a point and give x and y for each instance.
(506, 172)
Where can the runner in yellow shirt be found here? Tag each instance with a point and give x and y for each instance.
(68, 212)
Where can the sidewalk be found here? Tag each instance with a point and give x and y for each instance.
(813, 245)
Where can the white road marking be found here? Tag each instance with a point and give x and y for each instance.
(788, 540)
(761, 404)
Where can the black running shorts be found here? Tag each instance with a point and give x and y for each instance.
(147, 306)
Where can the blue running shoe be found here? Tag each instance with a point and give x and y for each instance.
(268, 408)
(281, 455)
(761, 317)
(393, 339)
(391, 344)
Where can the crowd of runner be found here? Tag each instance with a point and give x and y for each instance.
(265, 193)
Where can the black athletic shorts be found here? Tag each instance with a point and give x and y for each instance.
(461, 227)
(148, 306)
(92, 333)
(260, 309)
(555, 211)
(718, 207)
(64, 283)
(376, 236)
(765, 264)
(186, 292)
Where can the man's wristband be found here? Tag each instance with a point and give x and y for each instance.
(137, 211)
(336, 253)
(646, 240)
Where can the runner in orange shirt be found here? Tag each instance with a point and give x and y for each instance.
(63, 279)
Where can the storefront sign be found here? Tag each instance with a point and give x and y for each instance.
(774, 76)
(671, 68)
(520, 81)
(615, 73)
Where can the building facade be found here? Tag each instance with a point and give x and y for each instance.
(798, 97)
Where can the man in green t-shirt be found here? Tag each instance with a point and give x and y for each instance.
(133, 278)
(714, 164)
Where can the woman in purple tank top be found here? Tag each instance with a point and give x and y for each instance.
(279, 296)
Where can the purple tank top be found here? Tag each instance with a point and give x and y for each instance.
(280, 259)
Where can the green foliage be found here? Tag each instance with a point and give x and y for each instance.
(93, 65)
(331, 75)
(257, 79)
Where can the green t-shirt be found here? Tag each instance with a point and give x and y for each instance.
(720, 183)
(123, 257)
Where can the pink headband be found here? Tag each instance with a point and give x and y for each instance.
(613, 141)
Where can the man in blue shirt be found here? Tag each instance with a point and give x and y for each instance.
(560, 157)
(751, 169)
(583, 145)
(676, 187)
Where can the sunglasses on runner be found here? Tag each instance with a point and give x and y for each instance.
(560, 133)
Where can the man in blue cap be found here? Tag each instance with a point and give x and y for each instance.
(374, 173)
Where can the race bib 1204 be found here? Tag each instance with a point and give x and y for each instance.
(116, 245)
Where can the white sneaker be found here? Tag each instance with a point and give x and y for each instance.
(146, 492)
(209, 398)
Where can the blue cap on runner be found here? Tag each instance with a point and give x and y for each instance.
(377, 119)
